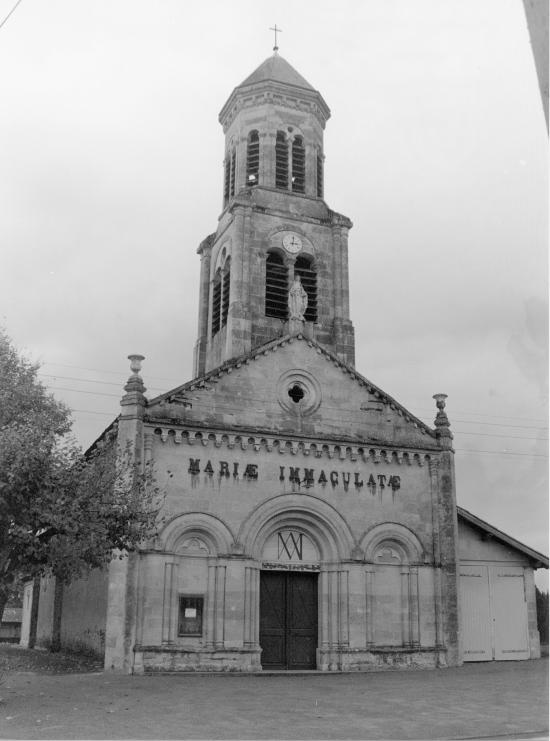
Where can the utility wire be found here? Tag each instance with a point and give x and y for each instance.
(152, 388)
(10, 13)
(236, 409)
(178, 382)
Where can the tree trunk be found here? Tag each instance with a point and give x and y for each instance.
(34, 611)
(4, 594)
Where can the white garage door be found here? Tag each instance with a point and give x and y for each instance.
(494, 613)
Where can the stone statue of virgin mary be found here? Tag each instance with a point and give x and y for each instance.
(297, 300)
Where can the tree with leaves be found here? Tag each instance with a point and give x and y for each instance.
(542, 615)
(61, 512)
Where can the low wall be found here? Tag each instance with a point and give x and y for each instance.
(84, 613)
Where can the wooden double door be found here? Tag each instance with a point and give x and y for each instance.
(288, 620)
(494, 615)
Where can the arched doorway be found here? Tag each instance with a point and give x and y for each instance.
(303, 540)
(289, 602)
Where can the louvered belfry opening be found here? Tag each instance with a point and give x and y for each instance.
(276, 286)
(233, 168)
(230, 164)
(305, 269)
(319, 174)
(253, 158)
(216, 303)
(298, 165)
(226, 283)
(226, 179)
(281, 160)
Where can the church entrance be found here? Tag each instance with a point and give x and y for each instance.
(288, 620)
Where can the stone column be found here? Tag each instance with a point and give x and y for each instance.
(168, 629)
(219, 608)
(251, 606)
(334, 611)
(414, 614)
(325, 609)
(256, 608)
(369, 586)
(209, 624)
(343, 608)
(405, 606)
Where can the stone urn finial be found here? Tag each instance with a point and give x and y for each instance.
(135, 363)
(134, 385)
(442, 423)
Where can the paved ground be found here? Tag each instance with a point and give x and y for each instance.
(508, 699)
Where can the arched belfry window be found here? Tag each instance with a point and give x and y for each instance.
(226, 284)
(253, 158)
(305, 268)
(233, 168)
(320, 168)
(276, 286)
(281, 160)
(298, 165)
(216, 302)
(220, 297)
(230, 164)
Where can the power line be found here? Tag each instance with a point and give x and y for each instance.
(178, 382)
(457, 450)
(153, 388)
(234, 409)
(90, 411)
(493, 416)
(488, 434)
(502, 452)
(110, 372)
(93, 380)
(10, 13)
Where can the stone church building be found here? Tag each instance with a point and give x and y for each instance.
(310, 520)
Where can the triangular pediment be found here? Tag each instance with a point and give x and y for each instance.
(293, 386)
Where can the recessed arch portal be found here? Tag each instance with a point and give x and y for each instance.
(207, 528)
(326, 527)
(406, 543)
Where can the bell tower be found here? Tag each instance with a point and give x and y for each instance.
(275, 230)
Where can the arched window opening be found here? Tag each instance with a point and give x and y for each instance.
(298, 165)
(305, 269)
(276, 286)
(230, 164)
(233, 167)
(216, 303)
(226, 283)
(226, 179)
(320, 164)
(281, 161)
(253, 158)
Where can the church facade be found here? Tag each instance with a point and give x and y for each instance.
(310, 520)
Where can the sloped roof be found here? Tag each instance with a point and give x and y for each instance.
(276, 69)
(12, 615)
(534, 556)
(226, 367)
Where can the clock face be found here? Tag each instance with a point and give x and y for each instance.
(292, 243)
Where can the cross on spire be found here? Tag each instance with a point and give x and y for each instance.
(276, 31)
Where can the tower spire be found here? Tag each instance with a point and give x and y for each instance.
(276, 31)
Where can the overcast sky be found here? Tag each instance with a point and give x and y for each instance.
(111, 174)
